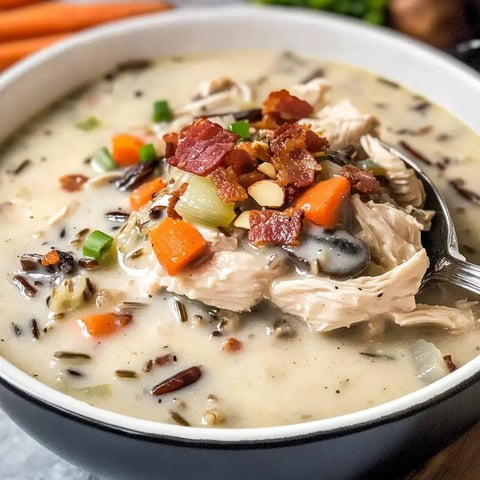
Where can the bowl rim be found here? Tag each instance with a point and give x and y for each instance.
(29, 388)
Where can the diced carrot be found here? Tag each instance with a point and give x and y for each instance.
(50, 258)
(103, 323)
(144, 193)
(50, 18)
(125, 149)
(322, 202)
(176, 243)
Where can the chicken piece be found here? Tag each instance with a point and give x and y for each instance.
(219, 92)
(342, 124)
(327, 304)
(392, 235)
(233, 280)
(406, 188)
(313, 92)
(447, 317)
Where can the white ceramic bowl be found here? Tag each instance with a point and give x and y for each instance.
(348, 446)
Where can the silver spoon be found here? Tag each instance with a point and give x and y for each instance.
(446, 262)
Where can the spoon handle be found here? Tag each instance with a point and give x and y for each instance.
(459, 272)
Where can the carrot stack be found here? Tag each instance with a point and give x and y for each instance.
(28, 28)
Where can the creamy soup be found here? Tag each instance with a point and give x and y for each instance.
(272, 365)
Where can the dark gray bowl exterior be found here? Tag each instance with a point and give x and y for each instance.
(386, 448)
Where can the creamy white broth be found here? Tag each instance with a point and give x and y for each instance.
(272, 381)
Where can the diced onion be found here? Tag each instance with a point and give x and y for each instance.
(428, 360)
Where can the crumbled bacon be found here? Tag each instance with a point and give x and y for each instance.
(287, 106)
(361, 180)
(256, 150)
(270, 227)
(72, 183)
(449, 362)
(296, 168)
(171, 143)
(171, 212)
(229, 188)
(204, 148)
(247, 179)
(291, 194)
(241, 161)
(288, 137)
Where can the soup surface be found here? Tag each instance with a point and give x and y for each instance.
(283, 371)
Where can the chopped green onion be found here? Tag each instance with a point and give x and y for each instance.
(88, 124)
(103, 161)
(147, 153)
(242, 128)
(161, 111)
(200, 204)
(97, 244)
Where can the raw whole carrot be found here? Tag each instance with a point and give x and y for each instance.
(125, 149)
(322, 202)
(143, 194)
(5, 4)
(11, 52)
(99, 324)
(176, 243)
(50, 18)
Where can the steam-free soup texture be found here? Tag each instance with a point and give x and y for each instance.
(240, 327)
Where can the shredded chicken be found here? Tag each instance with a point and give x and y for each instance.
(392, 235)
(216, 93)
(406, 188)
(342, 124)
(448, 317)
(233, 280)
(313, 92)
(328, 304)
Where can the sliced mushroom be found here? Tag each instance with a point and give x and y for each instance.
(332, 252)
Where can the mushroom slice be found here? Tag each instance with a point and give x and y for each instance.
(336, 253)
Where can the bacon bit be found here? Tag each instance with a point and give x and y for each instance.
(449, 362)
(248, 179)
(256, 150)
(291, 136)
(297, 168)
(176, 382)
(72, 183)
(361, 180)
(229, 188)
(270, 121)
(241, 161)
(287, 106)
(171, 143)
(171, 212)
(291, 194)
(275, 228)
(231, 345)
(166, 359)
(204, 148)
(50, 258)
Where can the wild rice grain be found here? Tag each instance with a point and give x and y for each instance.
(35, 330)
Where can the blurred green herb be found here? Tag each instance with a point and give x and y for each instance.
(88, 124)
(373, 11)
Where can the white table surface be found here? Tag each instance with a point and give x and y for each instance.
(22, 458)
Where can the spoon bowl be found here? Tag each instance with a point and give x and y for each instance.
(447, 264)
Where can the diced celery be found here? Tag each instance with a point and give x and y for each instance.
(200, 204)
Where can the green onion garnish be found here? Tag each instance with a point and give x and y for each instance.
(147, 153)
(103, 161)
(161, 111)
(97, 244)
(242, 128)
(88, 124)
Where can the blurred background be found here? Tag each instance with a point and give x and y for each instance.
(28, 25)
